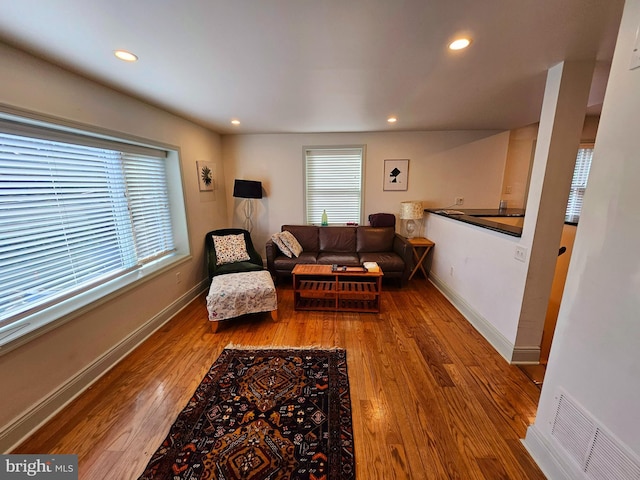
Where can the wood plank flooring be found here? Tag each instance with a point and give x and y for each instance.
(431, 398)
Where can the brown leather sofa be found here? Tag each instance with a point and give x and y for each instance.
(344, 246)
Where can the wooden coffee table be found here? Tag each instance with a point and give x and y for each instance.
(318, 287)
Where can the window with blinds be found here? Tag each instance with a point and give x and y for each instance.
(333, 182)
(579, 183)
(75, 216)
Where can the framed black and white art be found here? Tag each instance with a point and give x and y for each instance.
(206, 176)
(396, 174)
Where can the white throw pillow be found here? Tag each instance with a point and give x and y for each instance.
(230, 249)
(291, 242)
(277, 239)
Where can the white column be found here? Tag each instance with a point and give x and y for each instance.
(563, 110)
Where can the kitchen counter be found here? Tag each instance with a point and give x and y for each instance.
(472, 217)
(494, 212)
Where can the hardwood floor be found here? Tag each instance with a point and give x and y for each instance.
(431, 399)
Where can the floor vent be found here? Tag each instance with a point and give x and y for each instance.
(599, 454)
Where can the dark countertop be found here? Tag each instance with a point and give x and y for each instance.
(470, 216)
(493, 212)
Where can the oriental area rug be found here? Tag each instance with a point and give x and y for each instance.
(263, 414)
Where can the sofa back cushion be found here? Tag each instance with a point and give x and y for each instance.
(306, 235)
(337, 239)
(375, 239)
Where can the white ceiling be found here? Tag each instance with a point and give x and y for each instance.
(323, 65)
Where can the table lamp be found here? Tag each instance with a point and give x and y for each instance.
(411, 211)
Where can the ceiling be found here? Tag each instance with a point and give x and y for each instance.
(324, 65)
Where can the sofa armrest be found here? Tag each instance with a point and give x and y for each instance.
(403, 248)
(272, 252)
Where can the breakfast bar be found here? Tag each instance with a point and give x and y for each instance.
(497, 219)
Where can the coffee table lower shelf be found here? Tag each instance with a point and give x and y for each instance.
(316, 287)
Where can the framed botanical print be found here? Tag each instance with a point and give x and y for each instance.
(396, 174)
(206, 176)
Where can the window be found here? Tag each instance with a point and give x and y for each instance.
(579, 183)
(75, 212)
(333, 182)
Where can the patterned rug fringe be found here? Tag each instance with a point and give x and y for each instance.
(234, 346)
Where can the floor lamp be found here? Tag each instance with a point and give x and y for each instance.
(411, 211)
(247, 189)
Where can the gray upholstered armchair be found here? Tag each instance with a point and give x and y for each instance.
(252, 264)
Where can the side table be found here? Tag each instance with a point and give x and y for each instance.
(421, 247)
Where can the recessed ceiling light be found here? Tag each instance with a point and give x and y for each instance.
(392, 119)
(235, 122)
(459, 44)
(126, 56)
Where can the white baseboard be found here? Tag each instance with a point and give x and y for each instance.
(526, 356)
(18, 430)
(552, 465)
(503, 346)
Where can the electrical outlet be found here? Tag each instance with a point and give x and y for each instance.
(508, 189)
(178, 278)
(521, 253)
(459, 200)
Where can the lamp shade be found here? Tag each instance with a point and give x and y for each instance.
(247, 189)
(411, 211)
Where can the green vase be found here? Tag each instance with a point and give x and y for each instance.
(325, 221)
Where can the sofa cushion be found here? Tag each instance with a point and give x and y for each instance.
(375, 239)
(282, 263)
(388, 261)
(337, 239)
(329, 258)
(237, 267)
(307, 236)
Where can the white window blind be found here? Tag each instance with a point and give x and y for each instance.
(74, 216)
(333, 182)
(579, 183)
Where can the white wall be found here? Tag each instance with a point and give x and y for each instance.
(518, 167)
(475, 268)
(442, 166)
(595, 357)
(55, 361)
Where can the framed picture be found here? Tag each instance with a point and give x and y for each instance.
(396, 174)
(206, 176)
